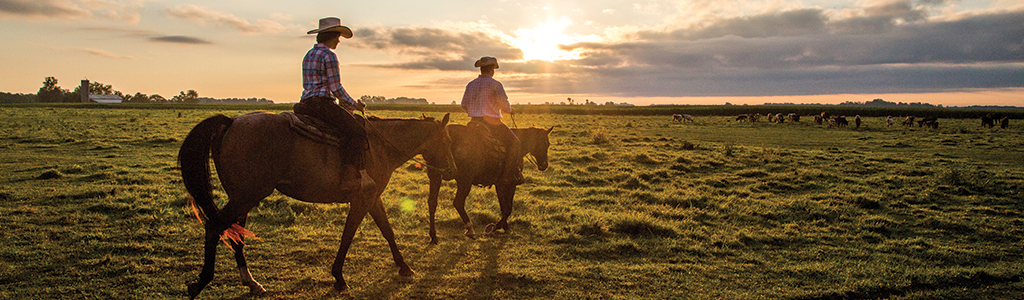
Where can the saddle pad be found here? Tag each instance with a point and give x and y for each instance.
(304, 126)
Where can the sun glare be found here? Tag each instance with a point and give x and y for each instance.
(542, 42)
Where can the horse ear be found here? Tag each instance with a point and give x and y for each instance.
(444, 121)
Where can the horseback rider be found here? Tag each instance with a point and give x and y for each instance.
(321, 83)
(484, 100)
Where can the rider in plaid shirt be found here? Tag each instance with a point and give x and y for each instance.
(320, 77)
(321, 84)
(484, 101)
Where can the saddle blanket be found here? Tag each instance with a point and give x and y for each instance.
(311, 128)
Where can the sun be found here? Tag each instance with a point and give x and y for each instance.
(543, 42)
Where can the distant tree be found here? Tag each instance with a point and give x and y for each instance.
(137, 98)
(50, 92)
(156, 98)
(191, 96)
(17, 98)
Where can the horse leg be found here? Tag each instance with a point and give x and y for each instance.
(209, 261)
(435, 188)
(234, 210)
(460, 205)
(356, 212)
(505, 192)
(255, 288)
(381, 218)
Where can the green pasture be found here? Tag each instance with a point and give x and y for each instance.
(633, 206)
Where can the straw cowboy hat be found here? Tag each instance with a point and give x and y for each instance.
(332, 24)
(486, 61)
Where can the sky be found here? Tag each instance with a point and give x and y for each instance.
(949, 52)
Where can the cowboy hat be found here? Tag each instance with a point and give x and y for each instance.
(332, 24)
(486, 61)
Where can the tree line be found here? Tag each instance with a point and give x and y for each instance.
(51, 92)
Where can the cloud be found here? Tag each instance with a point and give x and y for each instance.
(803, 53)
(201, 16)
(103, 53)
(71, 9)
(455, 47)
(114, 10)
(43, 9)
(882, 47)
(177, 39)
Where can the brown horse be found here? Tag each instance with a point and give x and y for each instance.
(474, 169)
(258, 152)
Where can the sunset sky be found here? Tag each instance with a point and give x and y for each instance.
(968, 52)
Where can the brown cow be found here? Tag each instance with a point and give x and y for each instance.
(988, 121)
(1004, 122)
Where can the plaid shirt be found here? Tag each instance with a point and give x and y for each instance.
(485, 97)
(320, 75)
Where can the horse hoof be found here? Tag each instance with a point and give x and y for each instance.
(256, 289)
(341, 286)
(406, 271)
(194, 289)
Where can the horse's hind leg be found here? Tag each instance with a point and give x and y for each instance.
(381, 218)
(209, 261)
(255, 288)
(460, 205)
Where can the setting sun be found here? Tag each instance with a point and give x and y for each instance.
(543, 42)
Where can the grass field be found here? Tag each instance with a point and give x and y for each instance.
(92, 206)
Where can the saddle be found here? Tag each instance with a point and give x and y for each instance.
(313, 129)
(493, 150)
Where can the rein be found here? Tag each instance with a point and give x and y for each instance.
(528, 157)
(399, 150)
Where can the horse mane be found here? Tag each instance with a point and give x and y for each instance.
(378, 118)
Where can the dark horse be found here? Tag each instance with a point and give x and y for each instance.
(472, 160)
(258, 152)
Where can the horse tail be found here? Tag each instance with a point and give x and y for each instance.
(194, 159)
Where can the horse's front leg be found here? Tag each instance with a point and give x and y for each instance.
(255, 288)
(460, 205)
(505, 192)
(381, 218)
(356, 212)
(435, 188)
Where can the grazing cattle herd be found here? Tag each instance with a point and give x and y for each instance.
(825, 118)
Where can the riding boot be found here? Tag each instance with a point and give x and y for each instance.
(366, 183)
(513, 172)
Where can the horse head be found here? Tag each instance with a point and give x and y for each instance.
(439, 150)
(536, 142)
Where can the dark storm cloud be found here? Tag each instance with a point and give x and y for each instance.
(887, 48)
(178, 39)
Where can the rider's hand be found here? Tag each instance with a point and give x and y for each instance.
(360, 106)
